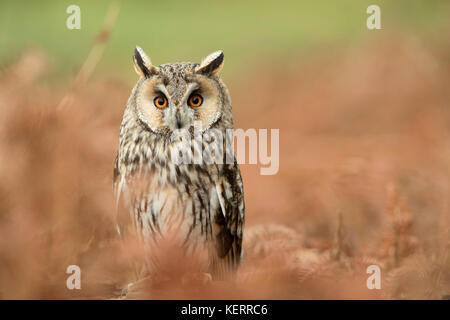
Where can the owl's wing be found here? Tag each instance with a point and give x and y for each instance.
(229, 219)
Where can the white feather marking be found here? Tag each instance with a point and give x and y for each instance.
(214, 119)
(119, 192)
(222, 206)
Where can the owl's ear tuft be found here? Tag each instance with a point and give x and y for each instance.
(142, 63)
(212, 64)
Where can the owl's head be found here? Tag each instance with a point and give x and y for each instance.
(174, 96)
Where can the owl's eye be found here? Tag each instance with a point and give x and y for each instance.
(160, 102)
(195, 100)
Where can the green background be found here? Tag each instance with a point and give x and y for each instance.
(270, 31)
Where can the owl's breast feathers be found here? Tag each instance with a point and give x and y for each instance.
(206, 201)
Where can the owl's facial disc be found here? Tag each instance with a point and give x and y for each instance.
(167, 107)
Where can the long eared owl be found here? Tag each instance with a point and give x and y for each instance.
(201, 202)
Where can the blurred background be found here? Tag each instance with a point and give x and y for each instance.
(364, 125)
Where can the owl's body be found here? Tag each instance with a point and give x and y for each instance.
(201, 204)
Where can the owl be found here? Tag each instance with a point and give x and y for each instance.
(202, 203)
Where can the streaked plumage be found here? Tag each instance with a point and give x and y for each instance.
(203, 204)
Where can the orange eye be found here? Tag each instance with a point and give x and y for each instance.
(195, 100)
(160, 102)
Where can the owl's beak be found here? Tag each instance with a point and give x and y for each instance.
(178, 120)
